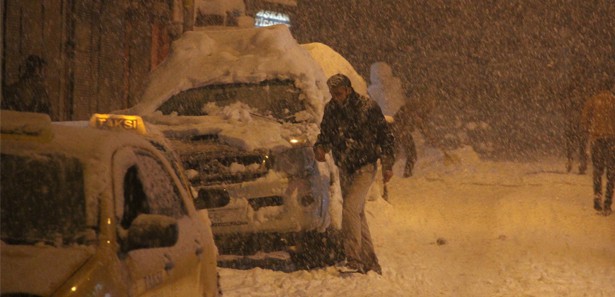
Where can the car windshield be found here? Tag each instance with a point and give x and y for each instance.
(277, 98)
(43, 200)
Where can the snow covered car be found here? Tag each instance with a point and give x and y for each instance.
(242, 108)
(93, 211)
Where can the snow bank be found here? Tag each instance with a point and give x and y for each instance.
(385, 88)
(333, 63)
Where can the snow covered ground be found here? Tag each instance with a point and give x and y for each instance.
(476, 228)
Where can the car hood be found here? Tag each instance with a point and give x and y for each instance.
(247, 132)
(39, 270)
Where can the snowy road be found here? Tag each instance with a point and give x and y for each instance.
(480, 229)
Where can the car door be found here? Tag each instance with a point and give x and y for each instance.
(165, 266)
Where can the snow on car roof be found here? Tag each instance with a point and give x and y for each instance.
(223, 55)
(232, 55)
(93, 147)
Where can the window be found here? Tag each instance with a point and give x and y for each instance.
(162, 194)
(149, 189)
(135, 202)
(278, 98)
(266, 18)
(43, 199)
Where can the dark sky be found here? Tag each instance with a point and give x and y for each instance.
(518, 65)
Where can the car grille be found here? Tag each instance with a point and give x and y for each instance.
(226, 169)
(257, 203)
(211, 198)
(218, 163)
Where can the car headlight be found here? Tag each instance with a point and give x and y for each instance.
(295, 161)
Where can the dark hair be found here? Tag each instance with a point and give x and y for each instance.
(338, 80)
(33, 63)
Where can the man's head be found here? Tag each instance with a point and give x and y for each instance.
(339, 87)
(34, 65)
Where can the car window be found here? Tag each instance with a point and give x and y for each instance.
(43, 200)
(162, 194)
(277, 98)
(149, 189)
(135, 201)
(175, 161)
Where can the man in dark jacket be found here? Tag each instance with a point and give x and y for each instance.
(30, 92)
(354, 129)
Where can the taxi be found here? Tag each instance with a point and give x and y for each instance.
(97, 211)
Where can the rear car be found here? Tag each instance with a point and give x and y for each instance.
(242, 108)
(97, 211)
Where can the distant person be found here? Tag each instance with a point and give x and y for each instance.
(576, 139)
(598, 118)
(410, 117)
(354, 129)
(30, 92)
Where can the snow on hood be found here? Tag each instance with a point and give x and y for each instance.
(39, 270)
(234, 55)
(236, 126)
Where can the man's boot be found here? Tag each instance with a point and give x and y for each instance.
(598, 202)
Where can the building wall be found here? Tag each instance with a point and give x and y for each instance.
(99, 53)
(34, 27)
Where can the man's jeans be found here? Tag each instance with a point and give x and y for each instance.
(355, 231)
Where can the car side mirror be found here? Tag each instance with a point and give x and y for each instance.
(151, 231)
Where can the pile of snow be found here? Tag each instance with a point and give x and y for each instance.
(333, 63)
(385, 88)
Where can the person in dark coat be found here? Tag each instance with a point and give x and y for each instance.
(576, 144)
(355, 131)
(576, 137)
(30, 92)
(598, 119)
(412, 116)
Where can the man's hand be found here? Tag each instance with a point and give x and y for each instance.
(319, 154)
(386, 175)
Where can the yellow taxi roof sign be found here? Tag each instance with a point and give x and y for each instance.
(118, 122)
